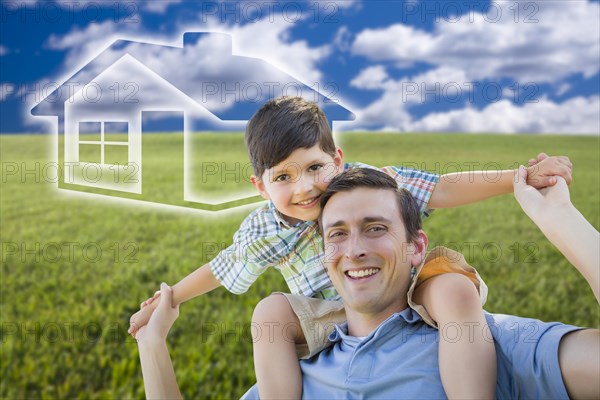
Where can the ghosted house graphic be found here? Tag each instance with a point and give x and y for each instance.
(106, 109)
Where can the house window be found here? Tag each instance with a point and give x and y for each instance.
(103, 142)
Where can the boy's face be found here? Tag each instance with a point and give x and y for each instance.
(295, 185)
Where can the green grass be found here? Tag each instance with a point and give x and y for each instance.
(91, 298)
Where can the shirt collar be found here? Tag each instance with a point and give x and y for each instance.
(406, 316)
(279, 218)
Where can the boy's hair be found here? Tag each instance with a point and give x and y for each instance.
(282, 126)
(375, 179)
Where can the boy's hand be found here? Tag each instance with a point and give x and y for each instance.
(141, 318)
(162, 320)
(150, 300)
(540, 157)
(543, 172)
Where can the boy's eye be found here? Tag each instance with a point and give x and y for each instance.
(315, 167)
(282, 177)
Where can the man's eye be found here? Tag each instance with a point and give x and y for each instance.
(335, 234)
(281, 178)
(377, 228)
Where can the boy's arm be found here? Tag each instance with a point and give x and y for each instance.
(197, 283)
(460, 188)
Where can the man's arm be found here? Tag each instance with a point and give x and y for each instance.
(564, 226)
(460, 188)
(157, 368)
(552, 211)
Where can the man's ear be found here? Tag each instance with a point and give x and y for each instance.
(260, 186)
(419, 249)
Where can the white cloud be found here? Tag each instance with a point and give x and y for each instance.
(562, 42)
(269, 40)
(391, 110)
(575, 116)
(73, 4)
(196, 61)
(265, 39)
(158, 6)
(343, 39)
(562, 89)
(82, 45)
(370, 78)
(344, 3)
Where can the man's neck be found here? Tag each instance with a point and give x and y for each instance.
(361, 324)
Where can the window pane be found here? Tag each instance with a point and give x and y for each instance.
(115, 131)
(89, 153)
(114, 154)
(89, 131)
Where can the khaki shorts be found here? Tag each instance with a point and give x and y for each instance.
(318, 317)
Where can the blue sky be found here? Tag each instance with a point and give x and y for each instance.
(453, 66)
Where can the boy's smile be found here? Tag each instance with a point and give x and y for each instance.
(295, 185)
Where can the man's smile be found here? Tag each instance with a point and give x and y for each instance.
(362, 273)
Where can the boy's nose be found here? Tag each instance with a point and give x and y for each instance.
(304, 184)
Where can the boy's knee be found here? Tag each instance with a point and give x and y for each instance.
(274, 308)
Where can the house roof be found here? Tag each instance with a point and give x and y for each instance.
(238, 85)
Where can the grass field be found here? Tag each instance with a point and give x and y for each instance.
(75, 266)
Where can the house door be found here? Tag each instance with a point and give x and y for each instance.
(162, 156)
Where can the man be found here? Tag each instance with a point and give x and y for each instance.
(375, 247)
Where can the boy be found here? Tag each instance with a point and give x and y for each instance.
(294, 157)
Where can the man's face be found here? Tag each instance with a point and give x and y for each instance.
(295, 185)
(367, 254)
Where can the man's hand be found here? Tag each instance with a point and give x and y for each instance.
(538, 203)
(162, 318)
(542, 172)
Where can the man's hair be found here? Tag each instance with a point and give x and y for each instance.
(282, 126)
(375, 179)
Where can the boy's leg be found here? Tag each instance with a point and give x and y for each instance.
(275, 359)
(467, 358)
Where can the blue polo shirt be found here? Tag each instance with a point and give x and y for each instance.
(399, 360)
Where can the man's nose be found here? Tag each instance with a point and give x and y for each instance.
(355, 249)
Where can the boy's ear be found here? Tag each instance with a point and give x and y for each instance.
(260, 186)
(339, 157)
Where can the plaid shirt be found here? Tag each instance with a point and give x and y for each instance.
(266, 240)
